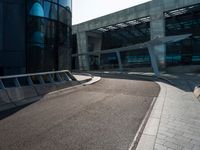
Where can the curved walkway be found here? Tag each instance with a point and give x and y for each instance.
(174, 123)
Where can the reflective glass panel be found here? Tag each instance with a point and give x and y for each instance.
(50, 10)
(63, 15)
(66, 3)
(37, 10)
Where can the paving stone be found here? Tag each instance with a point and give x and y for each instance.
(152, 126)
(161, 136)
(197, 143)
(146, 142)
(166, 133)
(160, 147)
(179, 127)
(160, 141)
(172, 145)
(188, 147)
(196, 148)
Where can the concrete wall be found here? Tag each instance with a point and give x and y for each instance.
(12, 28)
(82, 42)
(114, 18)
(131, 13)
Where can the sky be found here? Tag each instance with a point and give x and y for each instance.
(84, 10)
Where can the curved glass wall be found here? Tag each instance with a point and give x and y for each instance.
(48, 34)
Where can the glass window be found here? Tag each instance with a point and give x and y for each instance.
(50, 32)
(38, 38)
(66, 3)
(45, 35)
(63, 15)
(47, 9)
(55, 1)
(37, 10)
(50, 10)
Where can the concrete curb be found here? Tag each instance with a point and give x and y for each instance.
(22, 100)
(142, 126)
(197, 92)
(148, 137)
(92, 81)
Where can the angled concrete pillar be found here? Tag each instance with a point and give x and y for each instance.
(157, 26)
(119, 61)
(82, 42)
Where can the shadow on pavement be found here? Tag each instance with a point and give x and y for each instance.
(7, 113)
(186, 82)
(126, 76)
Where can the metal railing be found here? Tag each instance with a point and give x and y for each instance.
(35, 78)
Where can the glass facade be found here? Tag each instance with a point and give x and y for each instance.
(48, 34)
(129, 33)
(183, 21)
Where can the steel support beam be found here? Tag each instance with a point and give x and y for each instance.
(2, 85)
(119, 61)
(16, 81)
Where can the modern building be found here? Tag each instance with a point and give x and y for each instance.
(35, 36)
(138, 24)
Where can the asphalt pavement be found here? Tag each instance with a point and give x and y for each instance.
(102, 116)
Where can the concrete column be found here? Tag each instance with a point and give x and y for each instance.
(82, 42)
(95, 43)
(157, 26)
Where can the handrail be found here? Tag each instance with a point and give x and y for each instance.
(33, 74)
(14, 78)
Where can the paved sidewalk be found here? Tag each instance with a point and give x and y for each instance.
(174, 123)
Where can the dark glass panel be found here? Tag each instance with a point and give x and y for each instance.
(185, 52)
(35, 56)
(63, 15)
(48, 40)
(36, 28)
(55, 1)
(126, 36)
(109, 61)
(50, 31)
(66, 3)
(50, 10)
(37, 10)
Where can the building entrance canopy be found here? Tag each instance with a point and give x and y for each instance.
(150, 44)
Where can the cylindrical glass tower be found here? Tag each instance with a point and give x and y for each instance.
(48, 35)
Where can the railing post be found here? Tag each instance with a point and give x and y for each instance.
(41, 79)
(16, 81)
(1, 84)
(30, 82)
(66, 77)
(50, 78)
(58, 76)
(71, 76)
